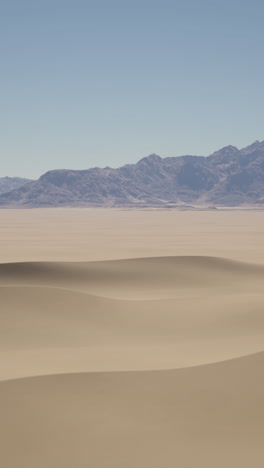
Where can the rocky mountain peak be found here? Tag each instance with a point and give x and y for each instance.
(150, 159)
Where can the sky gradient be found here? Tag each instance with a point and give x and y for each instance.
(94, 83)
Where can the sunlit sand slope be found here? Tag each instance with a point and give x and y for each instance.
(205, 416)
(50, 330)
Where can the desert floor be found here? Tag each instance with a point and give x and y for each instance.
(131, 339)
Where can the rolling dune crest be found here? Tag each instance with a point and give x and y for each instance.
(136, 277)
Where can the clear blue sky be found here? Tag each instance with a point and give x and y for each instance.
(93, 83)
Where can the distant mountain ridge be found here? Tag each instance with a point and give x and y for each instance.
(228, 177)
(10, 183)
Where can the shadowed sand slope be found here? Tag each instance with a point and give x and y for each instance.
(205, 416)
(136, 278)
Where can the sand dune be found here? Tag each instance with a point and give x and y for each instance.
(138, 362)
(202, 416)
(174, 312)
(137, 278)
(49, 330)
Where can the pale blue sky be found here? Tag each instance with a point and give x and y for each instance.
(93, 83)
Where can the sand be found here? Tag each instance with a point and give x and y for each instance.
(131, 339)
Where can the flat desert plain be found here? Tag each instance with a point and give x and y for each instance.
(131, 339)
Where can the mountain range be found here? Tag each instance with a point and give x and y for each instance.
(10, 183)
(228, 177)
